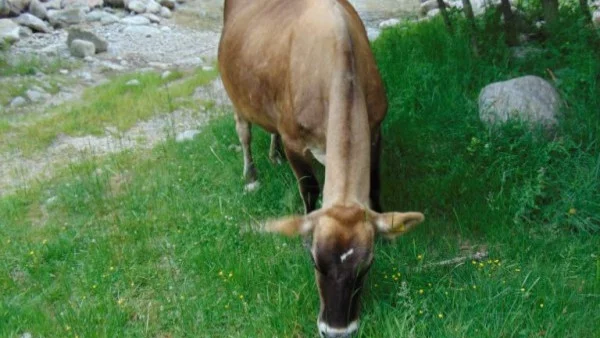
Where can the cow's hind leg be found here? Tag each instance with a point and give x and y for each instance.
(244, 132)
(375, 178)
(276, 149)
(307, 182)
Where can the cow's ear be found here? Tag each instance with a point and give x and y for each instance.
(393, 224)
(291, 226)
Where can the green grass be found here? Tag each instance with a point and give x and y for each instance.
(162, 245)
(113, 104)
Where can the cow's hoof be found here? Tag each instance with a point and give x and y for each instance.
(250, 187)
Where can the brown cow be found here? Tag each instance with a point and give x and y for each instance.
(303, 69)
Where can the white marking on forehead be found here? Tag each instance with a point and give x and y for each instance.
(348, 253)
(326, 330)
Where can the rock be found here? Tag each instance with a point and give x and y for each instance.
(9, 31)
(33, 22)
(136, 20)
(433, 12)
(166, 74)
(64, 71)
(372, 33)
(76, 33)
(388, 23)
(528, 98)
(165, 29)
(95, 15)
(82, 48)
(137, 6)
(66, 17)
(25, 32)
(53, 4)
(153, 7)
(427, 6)
(165, 13)
(146, 31)
(36, 96)
(153, 18)
(187, 135)
(170, 4)
(85, 4)
(18, 102)
(132, 83)
(109, 19)
(51, 50)
(13, 7)
(37, 9)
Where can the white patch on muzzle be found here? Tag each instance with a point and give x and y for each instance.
(328, 331)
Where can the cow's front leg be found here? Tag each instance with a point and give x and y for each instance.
(276, 149)
(307, 182)
(244, 131)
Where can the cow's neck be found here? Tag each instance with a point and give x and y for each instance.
(347, 171)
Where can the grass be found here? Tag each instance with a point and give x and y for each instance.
(113, 104)
(164, 245)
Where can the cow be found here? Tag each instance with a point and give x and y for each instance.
(303, 70)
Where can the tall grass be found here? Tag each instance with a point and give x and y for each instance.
(165, 245)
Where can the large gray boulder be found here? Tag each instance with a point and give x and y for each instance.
(66, 17)
(37, 9)
(529, 98)
(82, 49)
(31, 21)
(9, 31)
(76, 33)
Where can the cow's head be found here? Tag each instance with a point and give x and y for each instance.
(342, 253)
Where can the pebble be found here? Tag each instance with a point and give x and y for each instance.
(133, 83)
(18, 102)
(187, 135)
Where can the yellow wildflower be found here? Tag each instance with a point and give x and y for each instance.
(440, 315)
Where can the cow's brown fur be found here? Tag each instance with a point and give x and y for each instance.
(304, 70)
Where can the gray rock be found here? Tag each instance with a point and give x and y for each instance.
(95, 15)
(18, 102)
(153, 18)
(52, 4)
(37, 9)
(66, 17)
(187, 135)
(136, 20)
(389, 23)
(433, 12)
(153, 7)
(529, 98)
(36, 96)
(428, 6)
(132, 83)
(26, 335)
(85, 4)
(165, 13)
(36, 24)
(109, 19)
(170, 4)
(25, 32)
(76, 33)
(166, 74)
(137, 6)
(145, 31)
(82, 48)
(64, 71)
(9, 31)
(13, 7)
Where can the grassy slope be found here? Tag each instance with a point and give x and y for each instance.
(163, 246)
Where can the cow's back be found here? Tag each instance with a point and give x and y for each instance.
(277, 60)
